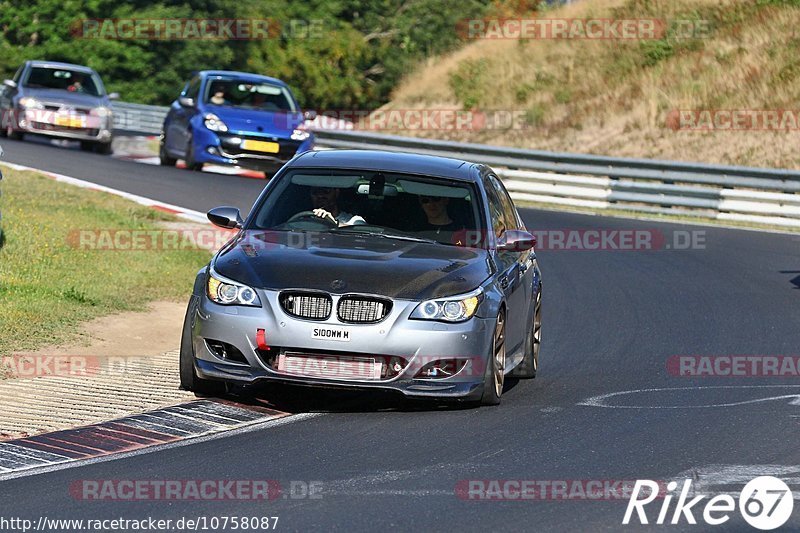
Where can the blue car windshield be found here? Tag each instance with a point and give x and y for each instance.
(61, 78)
(261, 96)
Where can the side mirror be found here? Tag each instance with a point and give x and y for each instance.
(10, 83)
(225, 217)
(515, 240)
(185, 101)
(309, 115)
(113, 96)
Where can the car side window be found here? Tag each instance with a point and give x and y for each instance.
(496, 211)
(506, 203)
(193, 88)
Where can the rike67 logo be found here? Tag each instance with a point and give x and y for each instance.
(765, 503)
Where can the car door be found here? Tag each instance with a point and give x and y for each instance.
(526, 259)
(510, 273)
(180, 115)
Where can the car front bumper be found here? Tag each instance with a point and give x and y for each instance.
(95, 129)
(216, 148)
(415, 342)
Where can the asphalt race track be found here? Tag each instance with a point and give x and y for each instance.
(612, 320)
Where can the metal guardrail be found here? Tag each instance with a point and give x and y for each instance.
(139, 118)
(732, 193)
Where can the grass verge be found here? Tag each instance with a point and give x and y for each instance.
(48, 286)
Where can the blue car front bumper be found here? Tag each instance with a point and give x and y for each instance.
(227, 149)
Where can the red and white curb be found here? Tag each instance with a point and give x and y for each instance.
(149, 431)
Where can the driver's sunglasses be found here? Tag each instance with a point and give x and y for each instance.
(321, 190)
(430, 199)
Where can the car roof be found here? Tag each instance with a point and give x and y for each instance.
(380, 160)
(58, 64)
(238, 74)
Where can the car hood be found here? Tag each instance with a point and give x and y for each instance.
(341, 263)
(65, 97)
(243, 121)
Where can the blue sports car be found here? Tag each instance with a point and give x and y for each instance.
(234, 118)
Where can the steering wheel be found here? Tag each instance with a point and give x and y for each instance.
(309, 216)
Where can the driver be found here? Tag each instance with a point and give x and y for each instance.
(325, 201)
(76, 86)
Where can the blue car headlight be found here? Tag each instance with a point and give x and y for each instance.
(214, 123)
(300, 135)
(451, 309)
(224, 291)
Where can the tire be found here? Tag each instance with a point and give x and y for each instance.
(191, 164)
(530, 362)
(190, 381)
(493, 378)
(13, 134)
(87, 146)
(104, 148)
(163, 157)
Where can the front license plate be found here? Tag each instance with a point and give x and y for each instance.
(331, 334)
(261, 146)
(70, 122)
(329, 366)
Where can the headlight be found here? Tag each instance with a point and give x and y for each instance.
(214, 123)
(101, 111)
(450, 309)
(300, 135)
(30, 103)
(228, 292)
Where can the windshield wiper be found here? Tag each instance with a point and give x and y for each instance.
(353, 230)
(408, 238)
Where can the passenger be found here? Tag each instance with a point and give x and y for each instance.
(438, 224)
(326, 205)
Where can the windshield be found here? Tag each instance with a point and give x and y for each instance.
(262, 96)
(389, 205)
(65, 79)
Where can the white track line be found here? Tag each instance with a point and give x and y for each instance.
(182, 212)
